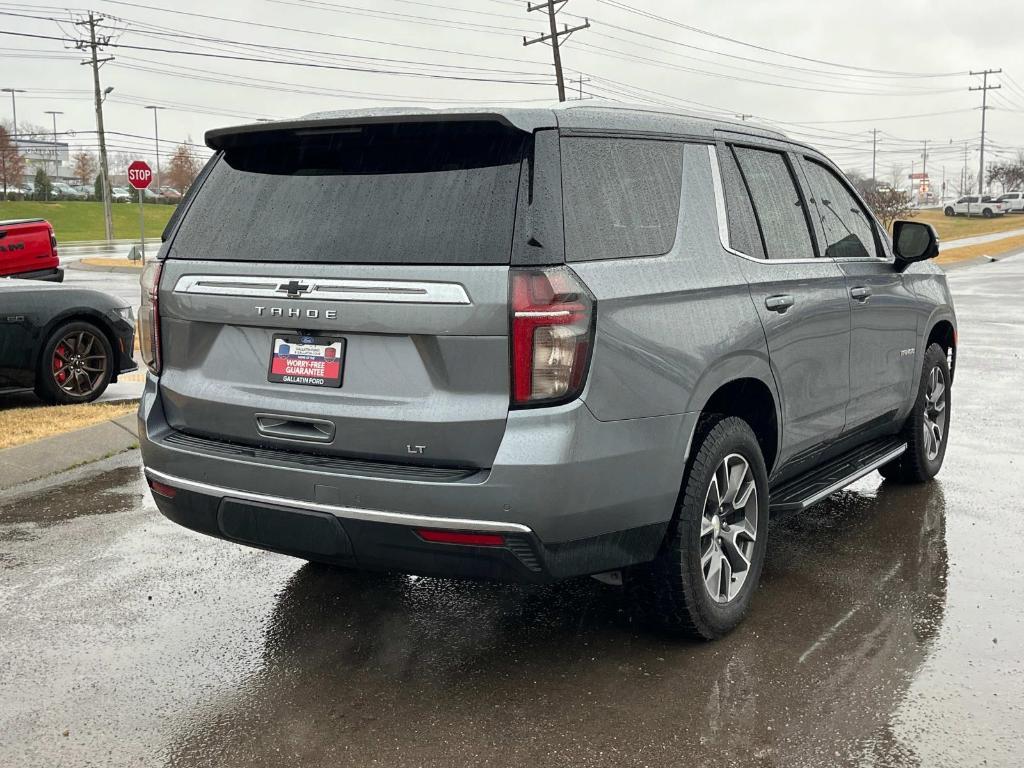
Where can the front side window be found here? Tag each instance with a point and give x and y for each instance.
(847, 226)
(620, 196)
(777, 203)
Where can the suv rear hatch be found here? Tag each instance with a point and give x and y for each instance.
(387, 247)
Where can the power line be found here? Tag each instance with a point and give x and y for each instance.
(672, 22)
(285, 62)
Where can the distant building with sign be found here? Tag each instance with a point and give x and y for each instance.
(52, 156)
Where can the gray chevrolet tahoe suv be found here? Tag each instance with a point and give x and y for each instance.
(531, 344)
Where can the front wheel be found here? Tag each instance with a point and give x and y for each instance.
(949, 212)
(927, 427)
(702, 582)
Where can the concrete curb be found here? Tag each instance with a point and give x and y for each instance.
(60, 453)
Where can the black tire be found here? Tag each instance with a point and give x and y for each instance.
(99, 355)
(949, 211)
(987, 213)
(921, 462)
(670, 592)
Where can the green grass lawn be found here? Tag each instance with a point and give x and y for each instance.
(78, 220)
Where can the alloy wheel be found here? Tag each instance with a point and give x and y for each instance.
(79, 363)
(935, 413)
(728, 530)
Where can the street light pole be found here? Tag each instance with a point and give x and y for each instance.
(56, 158)
(156, 130)
(14, 107)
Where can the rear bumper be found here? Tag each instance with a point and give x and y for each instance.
(568, 494)
(54, 275)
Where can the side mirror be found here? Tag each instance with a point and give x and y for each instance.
(913, 241)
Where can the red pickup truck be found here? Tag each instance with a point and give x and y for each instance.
(28, 249)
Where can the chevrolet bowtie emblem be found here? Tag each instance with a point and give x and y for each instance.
(293, 289)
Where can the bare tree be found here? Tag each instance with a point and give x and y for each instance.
(12, 164)
(886, 202)
(85, 167)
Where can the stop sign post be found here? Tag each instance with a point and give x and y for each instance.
(140, 176)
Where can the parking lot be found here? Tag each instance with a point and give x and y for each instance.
(887, 630)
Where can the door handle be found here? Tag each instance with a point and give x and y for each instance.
(779, 303)
(861, 293)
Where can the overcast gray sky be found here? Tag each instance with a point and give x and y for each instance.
(452, 50)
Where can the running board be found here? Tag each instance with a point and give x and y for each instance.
(811, 487)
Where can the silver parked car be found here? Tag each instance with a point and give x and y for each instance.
(530, 344)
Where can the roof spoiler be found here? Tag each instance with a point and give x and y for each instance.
(527, 120)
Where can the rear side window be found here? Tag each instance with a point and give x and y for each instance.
(434, 193)
(777, 202)
(846, 225)
(744, 235)
(620, 196)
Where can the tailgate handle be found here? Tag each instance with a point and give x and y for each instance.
(294, 428)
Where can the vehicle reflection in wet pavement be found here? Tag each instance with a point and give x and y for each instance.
(159, 643)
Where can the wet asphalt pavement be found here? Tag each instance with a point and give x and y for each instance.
(888, 631)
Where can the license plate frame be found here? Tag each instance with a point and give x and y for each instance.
(300, 363)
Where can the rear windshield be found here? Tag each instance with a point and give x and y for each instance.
(436, 193)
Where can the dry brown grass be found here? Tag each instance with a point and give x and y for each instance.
(25, 425)
(101, 261)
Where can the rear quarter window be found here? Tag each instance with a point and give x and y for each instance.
(620, 196)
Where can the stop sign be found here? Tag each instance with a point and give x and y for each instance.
(140, 174)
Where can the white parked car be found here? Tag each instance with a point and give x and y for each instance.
(120, 195)
(1013, 202)
(972, 206)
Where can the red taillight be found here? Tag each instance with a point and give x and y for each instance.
(53, 243)
(149, 316)
(461, 537)
(162, 489)
(552, 325)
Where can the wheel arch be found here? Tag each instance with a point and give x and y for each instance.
(943, 332)
(742, 385)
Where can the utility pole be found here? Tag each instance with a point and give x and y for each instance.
(14, 108)
(554, 35)
(156, 129)
(925, 181)
(984, 88)
(874, 153)
(93, 44)
(56, 157)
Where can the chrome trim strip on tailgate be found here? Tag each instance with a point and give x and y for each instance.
(324, 289)
(353, 513)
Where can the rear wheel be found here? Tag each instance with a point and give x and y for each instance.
(76, 364)
(987, 213)
(702, 582)
(949, 211)
(927, 427)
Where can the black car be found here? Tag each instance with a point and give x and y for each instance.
(66, 343)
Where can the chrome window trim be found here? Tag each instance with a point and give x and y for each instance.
(723, 226)
(325, 289)
(351, 513)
